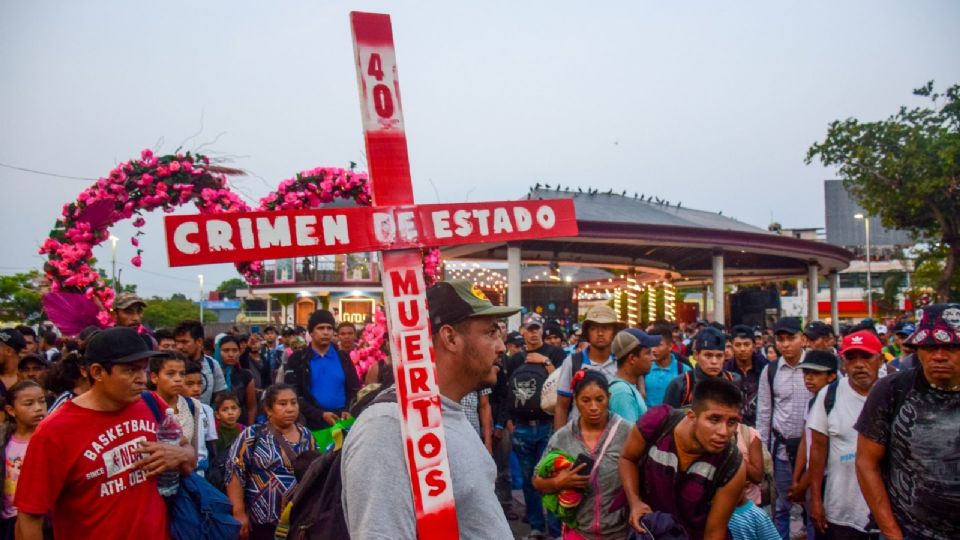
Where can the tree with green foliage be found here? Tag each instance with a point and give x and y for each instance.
(906, 170)
(928, 271)
(161, 312)
(20, 297)
(229, 288)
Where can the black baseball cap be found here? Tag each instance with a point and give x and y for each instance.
(35, 358)
(710, 339)
(817, 330)
(742, 331)
(118, 345)
(819, 360)
(13, 338)
(788, 325)
(450, 302)
(515, 338)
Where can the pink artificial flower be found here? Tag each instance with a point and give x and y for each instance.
(139, 222)
(134, 241)
(163, 171)
(104, 319)
(136, 261)
(174, 166)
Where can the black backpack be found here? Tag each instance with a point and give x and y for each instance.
(526, 386)
(313, 508)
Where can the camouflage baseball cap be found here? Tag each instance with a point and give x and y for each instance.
(128, 299)
(450, 302)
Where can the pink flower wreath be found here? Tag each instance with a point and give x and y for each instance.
(78, 295)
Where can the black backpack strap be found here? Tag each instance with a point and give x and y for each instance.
(771, 375)
(577, 360)
(679, 365)
(830, 399)
(688, 388)
(387, 396)
(901, 387)
(728, 468)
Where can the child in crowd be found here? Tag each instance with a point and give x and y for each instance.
(67, 379)
(167, 374)
(228, 426)
(25, 406)
(193, 388)
(819, 369)
(749, 522)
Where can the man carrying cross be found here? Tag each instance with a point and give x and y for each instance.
(377, 500)
(399, 229)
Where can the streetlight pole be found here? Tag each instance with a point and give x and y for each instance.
(113, 262)
(201, 297)
(866, 226)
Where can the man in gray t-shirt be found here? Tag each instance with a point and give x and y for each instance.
(377, 497)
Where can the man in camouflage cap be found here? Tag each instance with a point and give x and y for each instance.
(128, 310)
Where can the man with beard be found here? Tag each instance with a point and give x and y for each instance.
(747, 363)
(377, 501)
(128, 310)
(908, 452)
(842, 512)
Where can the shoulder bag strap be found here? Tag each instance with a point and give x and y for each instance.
(285, 447)
(603, 448)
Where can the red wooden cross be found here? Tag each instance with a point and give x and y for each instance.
(397, 227)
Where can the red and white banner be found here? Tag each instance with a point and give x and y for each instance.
(257, 236)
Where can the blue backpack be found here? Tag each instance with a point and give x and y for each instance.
(198, 511)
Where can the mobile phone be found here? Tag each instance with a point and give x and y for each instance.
(583, 458)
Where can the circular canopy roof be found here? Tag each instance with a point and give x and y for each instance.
(624, 231)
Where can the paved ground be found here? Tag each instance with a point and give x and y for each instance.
(521, 529)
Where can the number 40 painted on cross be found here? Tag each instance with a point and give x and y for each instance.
(411, 345)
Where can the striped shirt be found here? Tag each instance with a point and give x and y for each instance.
(751, 523)
(790, 398)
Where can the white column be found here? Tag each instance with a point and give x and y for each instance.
(834, 301)
(718, 310)
(813, 310)
(704, 294)
(269, 309)
(513, 284)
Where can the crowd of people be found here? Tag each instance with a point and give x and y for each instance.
(668, 431)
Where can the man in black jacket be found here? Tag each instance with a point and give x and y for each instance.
(709, 345)
(324, 377)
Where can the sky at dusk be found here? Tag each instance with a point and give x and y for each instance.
(710, 103)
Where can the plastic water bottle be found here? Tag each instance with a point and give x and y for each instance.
(168, 482)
